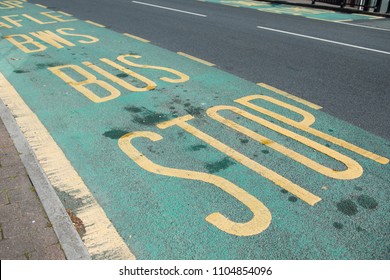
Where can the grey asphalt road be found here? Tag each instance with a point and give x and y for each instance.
(349, 83)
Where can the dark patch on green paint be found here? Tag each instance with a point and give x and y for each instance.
(39, 55)
(358, 188)
(367, 202)
(187, 104)
(180, 134)
(219, 165)
(133, 109)
(265, 151)
(292, 199)
(176, 100)
(150, 118)
(283, 191)
(122, 75)
(114, 133)
(255, 155)
(198, 147)
(244, 141)
(360, 229)
(347, 207)
(47, 65)
(327, 145)
(330, 130)
(172, 108)
(338, 225)
(21, 71)
(194, 111)
(150, 149)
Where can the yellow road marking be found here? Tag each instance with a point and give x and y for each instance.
(261, 218)
(290, 96)
(267, 173)
(94, 23)
(196, 59)
(304, 127)
(42, 6)
(65, 14)
(136, 37)
(101, 238)
(353, 170)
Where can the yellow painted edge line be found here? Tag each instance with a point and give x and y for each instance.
(136, 37)
(94, 23)
(290, 96)
(42, 6)
(101, 238)
(370, 16)
(321, 19)
(65, 14)
(376, 17)
(231, 5)
(196, 59)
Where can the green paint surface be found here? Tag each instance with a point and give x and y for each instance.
(162, 217)
(276, 8)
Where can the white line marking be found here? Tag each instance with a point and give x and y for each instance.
(323, 40)
(171, 9)
(364, 26)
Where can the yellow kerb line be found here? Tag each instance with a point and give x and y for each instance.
(94, 23)
(101, 238)
(196, 59)
(368, 16)
(136, 37)
(42, 6)
(290, 96)
(65, 14)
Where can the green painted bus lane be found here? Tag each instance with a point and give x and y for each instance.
(190, 162)
(276, 8)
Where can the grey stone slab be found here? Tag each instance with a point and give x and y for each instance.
(12, 171)
(44, 237)
(9, 212)
(10, 160)
(12, 248)
(21, 195)
(53, 252)
(4, 199)
(15, 182)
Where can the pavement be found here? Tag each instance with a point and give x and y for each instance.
(25, 229)
(26, 232)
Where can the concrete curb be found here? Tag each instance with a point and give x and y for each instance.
(68, 237)
(323, 7)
